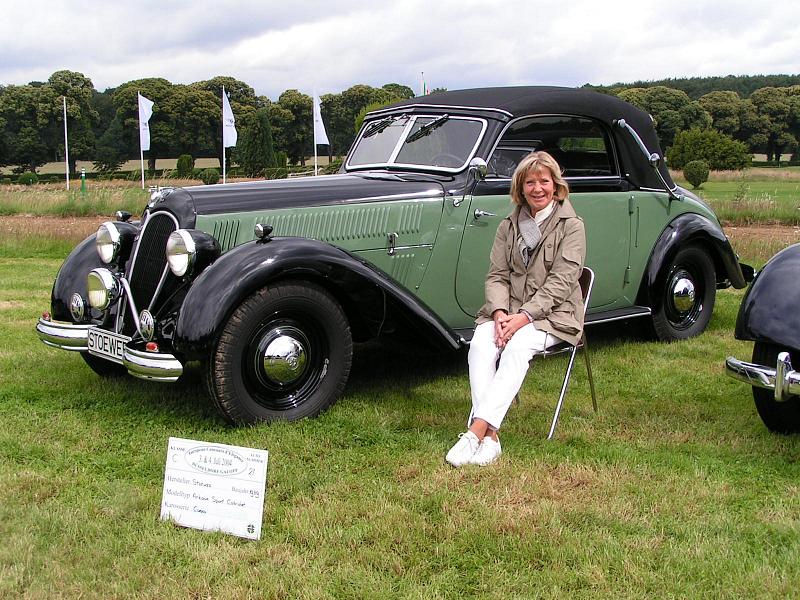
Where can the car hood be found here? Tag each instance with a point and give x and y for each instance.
(301, 192)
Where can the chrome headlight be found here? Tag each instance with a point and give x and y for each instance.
(189, 251)
(102, 287)
(114, 241)
(181, 252)
(107, 240)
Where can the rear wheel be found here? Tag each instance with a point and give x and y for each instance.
(686, 295)
(780, 417)
(284, 354)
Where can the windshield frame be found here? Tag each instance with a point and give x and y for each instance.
(391, 161)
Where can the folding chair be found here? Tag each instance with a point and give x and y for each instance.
(586, 281)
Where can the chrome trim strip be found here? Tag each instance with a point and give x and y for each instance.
(153, 366)
(63, 335)
(788, 380)
(160, 285)
(129, 297)
(439, 106)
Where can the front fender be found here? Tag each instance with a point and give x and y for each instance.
(687, 228)
(368, 293)
(71, 277)
(768, 311)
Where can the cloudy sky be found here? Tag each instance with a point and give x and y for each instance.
(330, 45)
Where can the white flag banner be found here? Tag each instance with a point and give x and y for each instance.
(229, 135)
(320, 137)
(145, 112)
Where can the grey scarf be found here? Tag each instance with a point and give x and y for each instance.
(530, 235)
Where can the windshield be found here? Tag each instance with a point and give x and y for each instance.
(441, 142)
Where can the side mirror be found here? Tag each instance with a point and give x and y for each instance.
(477, 171)
(478, 168)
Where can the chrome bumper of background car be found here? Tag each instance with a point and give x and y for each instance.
(783, 379)
(153, 366)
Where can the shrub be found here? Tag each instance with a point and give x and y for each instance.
(696, 172)
(135, 175)
(6, 180)
(209, 176)
(28, 178)
(721, 152)
(281, 159)
(185, 166)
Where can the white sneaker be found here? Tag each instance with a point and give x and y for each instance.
(461, 453)
(488, 452)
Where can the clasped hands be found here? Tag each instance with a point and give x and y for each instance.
(506, 325)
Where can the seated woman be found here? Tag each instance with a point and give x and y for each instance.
(533, 300)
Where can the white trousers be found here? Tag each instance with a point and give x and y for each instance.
(494, 384)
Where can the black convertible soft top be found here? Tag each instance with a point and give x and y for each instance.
(508, 103)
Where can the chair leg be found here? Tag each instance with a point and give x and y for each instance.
(563, 392)
(589, 372)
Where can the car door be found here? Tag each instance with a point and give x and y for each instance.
(600, 197)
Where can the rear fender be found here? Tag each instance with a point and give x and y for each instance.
(371, 299)
(685, 229)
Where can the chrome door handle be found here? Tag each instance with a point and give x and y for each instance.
(482, 213)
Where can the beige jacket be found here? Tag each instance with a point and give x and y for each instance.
(548, 289)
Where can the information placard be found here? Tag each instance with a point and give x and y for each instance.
(215, 487)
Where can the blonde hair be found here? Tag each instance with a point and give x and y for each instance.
(536, 161)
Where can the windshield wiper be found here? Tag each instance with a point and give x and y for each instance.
(427, 128)
(379, 126)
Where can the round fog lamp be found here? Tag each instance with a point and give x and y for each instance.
(107, 240)
(181, 252)
(103, 288)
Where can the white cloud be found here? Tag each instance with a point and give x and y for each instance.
(457, 43)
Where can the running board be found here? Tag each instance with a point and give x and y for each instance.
(618, 314)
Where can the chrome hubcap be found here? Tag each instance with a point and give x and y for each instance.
(283, 355)
(683, 293)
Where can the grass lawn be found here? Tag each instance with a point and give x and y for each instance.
(675, 489)
(753, 196)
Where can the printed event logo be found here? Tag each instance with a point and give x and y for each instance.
(215, 460)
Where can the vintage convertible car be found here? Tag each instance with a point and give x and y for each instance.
(769, 317)
(269, 283)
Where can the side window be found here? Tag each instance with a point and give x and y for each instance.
(580, 145)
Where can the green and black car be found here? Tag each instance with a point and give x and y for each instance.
(270, 283)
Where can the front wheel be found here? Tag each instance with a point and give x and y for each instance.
(103, 367)
(780, 417)
(686, 295)
(284, 354)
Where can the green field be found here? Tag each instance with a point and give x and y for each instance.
(675, 489)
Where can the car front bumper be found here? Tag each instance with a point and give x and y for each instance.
(153, 366)
(782, 379)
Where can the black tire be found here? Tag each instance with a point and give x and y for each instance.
(308, 337)
(103, 367)
(686, 295)
(780, 417)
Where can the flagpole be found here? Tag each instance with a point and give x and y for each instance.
(141, 149)
(66, 143)
(316, 171)
(223, 135)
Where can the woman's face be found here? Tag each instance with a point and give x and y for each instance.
(538, 189)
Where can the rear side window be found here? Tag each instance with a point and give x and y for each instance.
(580, 145)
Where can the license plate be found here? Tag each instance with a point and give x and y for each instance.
(107, 344)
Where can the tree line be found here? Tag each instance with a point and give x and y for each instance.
(103, 126)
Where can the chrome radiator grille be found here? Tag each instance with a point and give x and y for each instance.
(149, 277)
